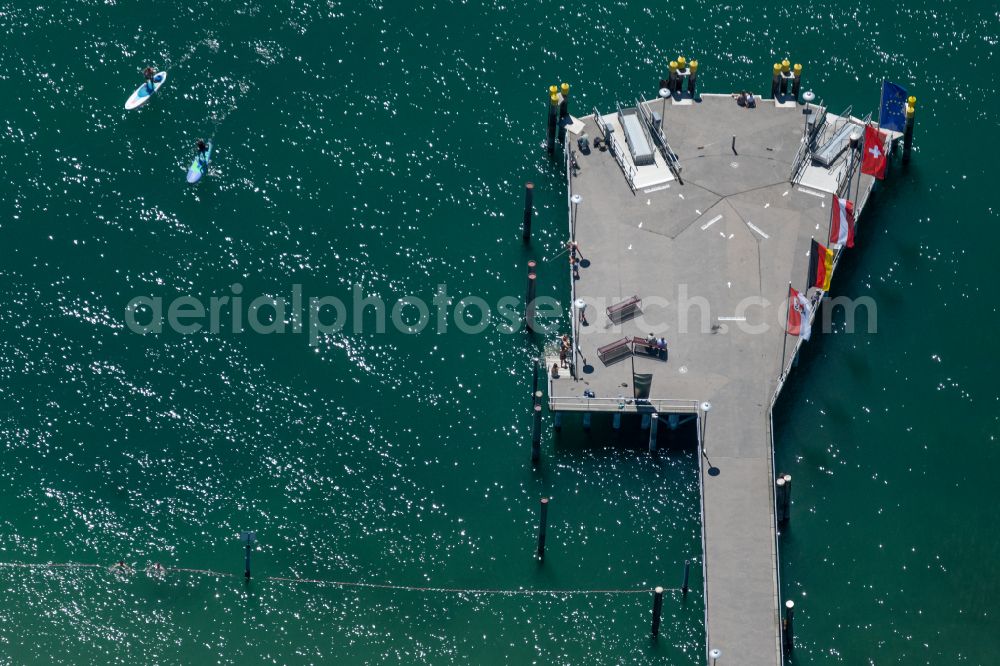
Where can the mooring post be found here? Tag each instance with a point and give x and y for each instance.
(657, 609)
(529, 299)
(529, 210)
(536, 362)
(654, 423)
(911, 104)
(788, 496)
(785, 70)
(779, 499)
(797, 81)
(672, 83)
(536, 432)
(247, 538)
(692, 78)
(543, 526)
(776, 81)
(550, 134)
(563, 111)
(787, 633)
(687, 576)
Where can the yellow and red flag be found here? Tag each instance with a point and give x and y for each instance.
(820, 266)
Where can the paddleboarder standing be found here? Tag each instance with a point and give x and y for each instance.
(149, 73)
(202, 149)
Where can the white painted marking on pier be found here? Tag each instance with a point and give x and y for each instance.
(729, 285)
(629, 246)
(735, 165)
(767, 205)
(711, 222)
(757, 229)
(697, 211)
(731, 235)
(649, 202)
(640, 225)
(811, 192)
(732, 318)
(722, 234)
(655, 189)
(785, 193)
(680, 194)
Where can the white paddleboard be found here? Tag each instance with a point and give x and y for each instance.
(143, 93)
(198, 168)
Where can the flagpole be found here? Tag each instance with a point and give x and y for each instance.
(784, 338)
(881, 99)
(635, 394)
(809, 265)
(829, 225)
(857, 192)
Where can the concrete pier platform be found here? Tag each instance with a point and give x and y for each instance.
(710, 255)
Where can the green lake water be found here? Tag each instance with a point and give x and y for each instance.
(386, 145)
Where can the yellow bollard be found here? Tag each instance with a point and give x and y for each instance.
(911, 111)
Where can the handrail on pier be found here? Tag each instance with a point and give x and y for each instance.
(659, 139)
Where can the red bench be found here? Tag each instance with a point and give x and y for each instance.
(650, 350)
(615, 351)
(619, 311)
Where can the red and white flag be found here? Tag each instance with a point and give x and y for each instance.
(842, 222)
(798, 314)
(874, 159)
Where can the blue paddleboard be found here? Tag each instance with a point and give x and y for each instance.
(199, 167)
(143, 93)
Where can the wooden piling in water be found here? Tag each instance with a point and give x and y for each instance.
(654, 423)
(529, 299)
(536, 433)
(779, 499)
(908, 128)
(787, 633)
(657, 610)
(563, 111)
(553, 121)
(543, 526)
(687, 576)
(529, 211)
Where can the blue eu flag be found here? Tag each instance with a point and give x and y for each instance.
(892, 115)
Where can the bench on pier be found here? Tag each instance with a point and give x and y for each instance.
(627, 308)
(653, 351)
(615, 351)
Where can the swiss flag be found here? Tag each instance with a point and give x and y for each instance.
(874, 160)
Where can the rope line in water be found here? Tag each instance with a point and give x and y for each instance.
(336, 583)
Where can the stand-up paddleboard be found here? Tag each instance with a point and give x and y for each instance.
(143, 93)
(199, 167)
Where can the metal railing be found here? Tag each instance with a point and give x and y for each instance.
(625, 404)
(659, 138)
(612, 142)
(803, 156)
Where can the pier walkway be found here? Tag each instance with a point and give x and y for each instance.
(711, 260)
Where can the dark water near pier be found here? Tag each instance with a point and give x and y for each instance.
(386, 145)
